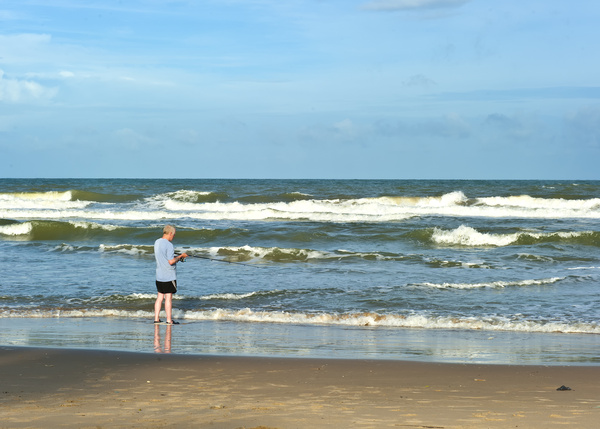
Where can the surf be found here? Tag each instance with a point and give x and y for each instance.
(359, 319)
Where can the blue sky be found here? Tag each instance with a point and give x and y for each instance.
(391, 89)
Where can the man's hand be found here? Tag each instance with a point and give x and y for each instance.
(178, 258)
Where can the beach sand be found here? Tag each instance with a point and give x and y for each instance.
(90, 389)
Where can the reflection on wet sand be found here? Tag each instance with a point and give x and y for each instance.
(157, 340)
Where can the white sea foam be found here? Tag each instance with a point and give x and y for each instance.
(495, 284)
(64, 248)
(182, 204)
(59, 313)
(127, 249)
(474, 264)
(282, 254)
(16, 229)
(421, 321)
(397, 321)
(229, 296)
(301, 194)
(467, 236)
(94, 225)
(103, 214)
(247, 253)
(313, 210)
(185, 195)
(37, 196)
(26, 228)
(40, 200)
(267, 252)
(446, 200)
(527, 202)
(457, 204)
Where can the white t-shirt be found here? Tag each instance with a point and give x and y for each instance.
(163, 253)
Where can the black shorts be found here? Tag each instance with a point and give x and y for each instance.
(166, 287)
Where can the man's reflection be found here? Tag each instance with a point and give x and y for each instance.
(167, 344)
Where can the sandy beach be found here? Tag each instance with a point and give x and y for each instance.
(44, 387)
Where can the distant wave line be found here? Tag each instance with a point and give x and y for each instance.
(188, 204)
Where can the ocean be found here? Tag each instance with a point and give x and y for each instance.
(435, 270)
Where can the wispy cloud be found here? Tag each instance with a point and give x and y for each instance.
(451, 125)
(341, 131)
(23, 91)
(298, 78)
(399, 5)
(419, 81)
(584, 126)
(557, 93)
(23, 48)
(513, 127)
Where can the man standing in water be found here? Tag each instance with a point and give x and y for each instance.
(166, 274)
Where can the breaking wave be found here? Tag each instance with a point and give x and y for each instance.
(368, 319)
(495, 284)
(467, 236)
(287, 206)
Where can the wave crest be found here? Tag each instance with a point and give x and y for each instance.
(293, 206)
(470, 237)
(496, 284)
(367, 319)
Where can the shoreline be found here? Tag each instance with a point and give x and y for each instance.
(54, 387)
(229, 338)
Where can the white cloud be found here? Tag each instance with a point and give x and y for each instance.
(23, 91)
(391, 5)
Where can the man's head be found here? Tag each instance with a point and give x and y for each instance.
(169, 232)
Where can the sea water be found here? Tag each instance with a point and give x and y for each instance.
(466, 271)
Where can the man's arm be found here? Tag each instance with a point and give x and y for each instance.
(177, 258)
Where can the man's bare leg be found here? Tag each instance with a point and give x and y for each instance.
(158, 305)
(169, 306)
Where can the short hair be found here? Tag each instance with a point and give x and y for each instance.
(168, 229)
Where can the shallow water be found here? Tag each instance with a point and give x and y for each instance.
(373, 262)
(303, 341)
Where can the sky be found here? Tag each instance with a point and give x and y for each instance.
(329, 89)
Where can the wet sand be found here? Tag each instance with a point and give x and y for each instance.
(88, 388)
